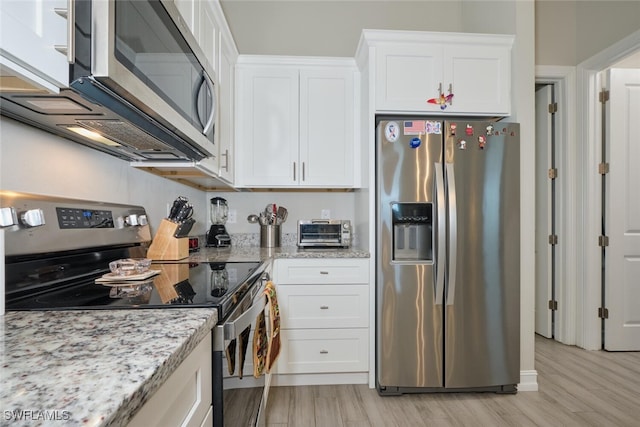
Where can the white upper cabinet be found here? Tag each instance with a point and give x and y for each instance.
(452, 74)
(35, 42)
(225, 135)
(295, 124)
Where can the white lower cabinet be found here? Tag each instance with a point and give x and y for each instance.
(324, 308)
(185, 398)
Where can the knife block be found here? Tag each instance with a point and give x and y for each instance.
(165, 247)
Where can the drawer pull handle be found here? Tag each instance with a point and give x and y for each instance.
(324, 352)
(324, 307)
(324, 272)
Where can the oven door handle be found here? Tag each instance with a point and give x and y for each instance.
(233, 329)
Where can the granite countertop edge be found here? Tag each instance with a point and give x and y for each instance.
(96, 367)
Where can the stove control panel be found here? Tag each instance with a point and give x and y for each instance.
(84, 218)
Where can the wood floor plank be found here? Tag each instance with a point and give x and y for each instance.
(576, 388)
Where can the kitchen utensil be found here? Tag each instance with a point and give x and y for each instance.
(281, 214)
(177, 205)
(185, 213)
(184, 228)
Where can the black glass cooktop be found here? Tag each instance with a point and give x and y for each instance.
(218, 285)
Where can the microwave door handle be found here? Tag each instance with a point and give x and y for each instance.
(207, 126)
(196, 100)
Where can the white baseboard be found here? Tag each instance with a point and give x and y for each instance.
(528, 381)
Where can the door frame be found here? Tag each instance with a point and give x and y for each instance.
(589, 132)
(563, 78)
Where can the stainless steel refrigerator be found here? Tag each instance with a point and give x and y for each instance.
(448, 255)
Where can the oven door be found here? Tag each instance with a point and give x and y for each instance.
(239, 401)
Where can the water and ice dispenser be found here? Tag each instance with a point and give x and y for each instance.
(412, 231)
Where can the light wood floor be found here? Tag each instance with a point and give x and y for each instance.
(576, 388)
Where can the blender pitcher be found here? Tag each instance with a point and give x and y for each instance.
(217, 235)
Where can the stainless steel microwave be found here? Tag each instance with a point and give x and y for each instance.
(324, 233)
(140, 88)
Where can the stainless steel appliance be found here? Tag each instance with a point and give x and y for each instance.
(56, 248)
(217, 235)
(448, 255)
(324, 233)
(139, 88)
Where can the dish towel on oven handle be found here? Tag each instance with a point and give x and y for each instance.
(266, 346)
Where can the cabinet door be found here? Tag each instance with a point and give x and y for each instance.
(208, 35)
(224, 127)
(479, 78)
(407, 76)
(327, 127)
(30, 30)
(267, 126)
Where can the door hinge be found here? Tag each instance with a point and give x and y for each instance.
(603, 168)
(603, 96)
(553, 239)
(603, 313)
(553, 305)
(603, 241)
(553, 107)
(553, 173)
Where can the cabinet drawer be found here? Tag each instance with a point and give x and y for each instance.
(326, 306)
(321, 271)
(323, 351)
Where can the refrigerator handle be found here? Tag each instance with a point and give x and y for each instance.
(442, 234)
(453, 232)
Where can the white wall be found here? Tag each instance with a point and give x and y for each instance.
(569, 32)
(35, 161)
(300, 205)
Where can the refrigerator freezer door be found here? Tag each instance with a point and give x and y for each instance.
(482, 311)
(409, 322)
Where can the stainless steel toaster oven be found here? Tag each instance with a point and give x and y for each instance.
(324, 233)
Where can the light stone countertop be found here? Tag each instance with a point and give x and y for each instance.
(253, 253)
(91, 368)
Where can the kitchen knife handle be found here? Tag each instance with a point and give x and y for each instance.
(453, 232)
(442, 238)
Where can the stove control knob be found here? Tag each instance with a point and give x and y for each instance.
(8, 217)
(131, 220)
(135, 219)
(32, 218)
(142, 220)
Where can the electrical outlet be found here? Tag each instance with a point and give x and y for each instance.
(325, 214)
(232, 218)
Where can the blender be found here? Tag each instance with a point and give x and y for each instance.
(217, 235)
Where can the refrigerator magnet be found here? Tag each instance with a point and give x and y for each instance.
(482, 141)
(452, 129)
(433, 127)
(469, 130)
(415, 142)
(489, 130)
(462, 144)
(391, 131)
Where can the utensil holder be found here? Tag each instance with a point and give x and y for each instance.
(270, 236)
(165, 246)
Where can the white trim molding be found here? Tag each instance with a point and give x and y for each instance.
(528, 381)
(589, 133)
(564, 80)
